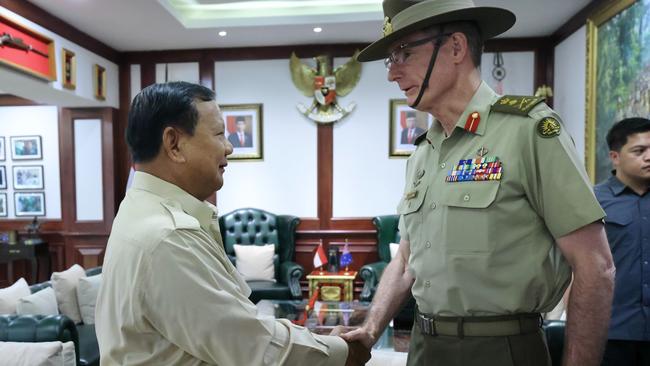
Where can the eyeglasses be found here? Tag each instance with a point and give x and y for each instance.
(398, 56)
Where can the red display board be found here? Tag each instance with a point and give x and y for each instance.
(26, 50)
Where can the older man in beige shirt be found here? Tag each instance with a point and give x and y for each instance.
(170, 296)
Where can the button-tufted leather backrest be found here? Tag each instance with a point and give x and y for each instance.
(387, 232)
(252, 226)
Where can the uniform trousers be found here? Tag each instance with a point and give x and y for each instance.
(528, 349)
(627, 353)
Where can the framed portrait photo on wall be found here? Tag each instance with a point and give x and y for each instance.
(406, 124)
(28, 177)
(244, 130)
(3, 177)
(618, 75)
(26, 148)
(2, 148)
(29, 203)
(3, 205)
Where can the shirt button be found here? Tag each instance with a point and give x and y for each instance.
(427, 284)
(433, 206)
(466, 197)
(428, 245)
(443, 165)
(645, 262)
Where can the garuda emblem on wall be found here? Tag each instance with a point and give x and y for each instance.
(324, 85)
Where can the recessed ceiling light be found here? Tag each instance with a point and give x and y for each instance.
(318, 29)
(223, 33)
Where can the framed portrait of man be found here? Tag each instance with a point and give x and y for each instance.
(406, 124)
(244, 130)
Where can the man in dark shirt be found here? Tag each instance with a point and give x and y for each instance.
(625, 199)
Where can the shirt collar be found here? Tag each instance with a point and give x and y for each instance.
(616, 185)
(481, 103)
(204, 212)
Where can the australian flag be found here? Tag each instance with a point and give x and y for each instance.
(346, 257)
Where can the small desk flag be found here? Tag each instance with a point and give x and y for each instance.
(319, 257)
(346, 257)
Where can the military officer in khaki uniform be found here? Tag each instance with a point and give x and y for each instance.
(497, 211)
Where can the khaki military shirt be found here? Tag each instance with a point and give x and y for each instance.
(488, 247)
(170, 296)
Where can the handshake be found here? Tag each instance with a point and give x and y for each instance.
(359, 344)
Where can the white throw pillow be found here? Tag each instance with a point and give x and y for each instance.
(9, 296)
(394, 247)
(42, 303)
(87, 290)
(65, 287)
(37, 353)
(255, 262)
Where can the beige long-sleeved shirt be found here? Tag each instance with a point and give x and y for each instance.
(170, 296)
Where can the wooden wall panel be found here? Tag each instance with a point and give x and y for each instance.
(86, 250)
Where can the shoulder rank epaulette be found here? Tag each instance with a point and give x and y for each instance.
(419, 139)
(516, 104)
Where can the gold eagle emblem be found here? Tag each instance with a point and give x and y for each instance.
(324, 83)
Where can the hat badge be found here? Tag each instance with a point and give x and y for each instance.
(388, 27)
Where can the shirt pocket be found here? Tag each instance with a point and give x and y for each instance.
(408, 207)
(617, 226)
(468, 222)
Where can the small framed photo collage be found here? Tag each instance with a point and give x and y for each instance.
(25, 177)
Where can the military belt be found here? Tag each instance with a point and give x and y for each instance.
(475, 326)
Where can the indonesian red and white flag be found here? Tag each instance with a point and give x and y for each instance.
(319, 257)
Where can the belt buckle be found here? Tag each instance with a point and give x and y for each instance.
(429, 325)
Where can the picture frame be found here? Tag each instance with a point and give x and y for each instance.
(3, 177)
(28, 177)
(29, 204)
(26, 148)
(613, 35)
(31, 52)
(244, 130)
(99, 82)
(401, 138)
(68, 69)
(4, 211)
(3, 155)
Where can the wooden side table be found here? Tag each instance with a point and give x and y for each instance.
(31, 252)
(333, 286)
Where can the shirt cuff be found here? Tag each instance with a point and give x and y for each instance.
(338, 349)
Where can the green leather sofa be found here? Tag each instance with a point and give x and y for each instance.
(252, 226)
(41, 328)
(387, 232)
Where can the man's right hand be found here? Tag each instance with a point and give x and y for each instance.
(358, 354)
(362, 335)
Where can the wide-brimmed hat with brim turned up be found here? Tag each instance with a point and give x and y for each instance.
(402, 17)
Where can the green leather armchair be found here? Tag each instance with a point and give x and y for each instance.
(252, 226)
(49, 328)
(387, 232)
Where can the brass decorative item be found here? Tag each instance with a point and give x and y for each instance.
(324, 83)
(68, 69)
(99, 82)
